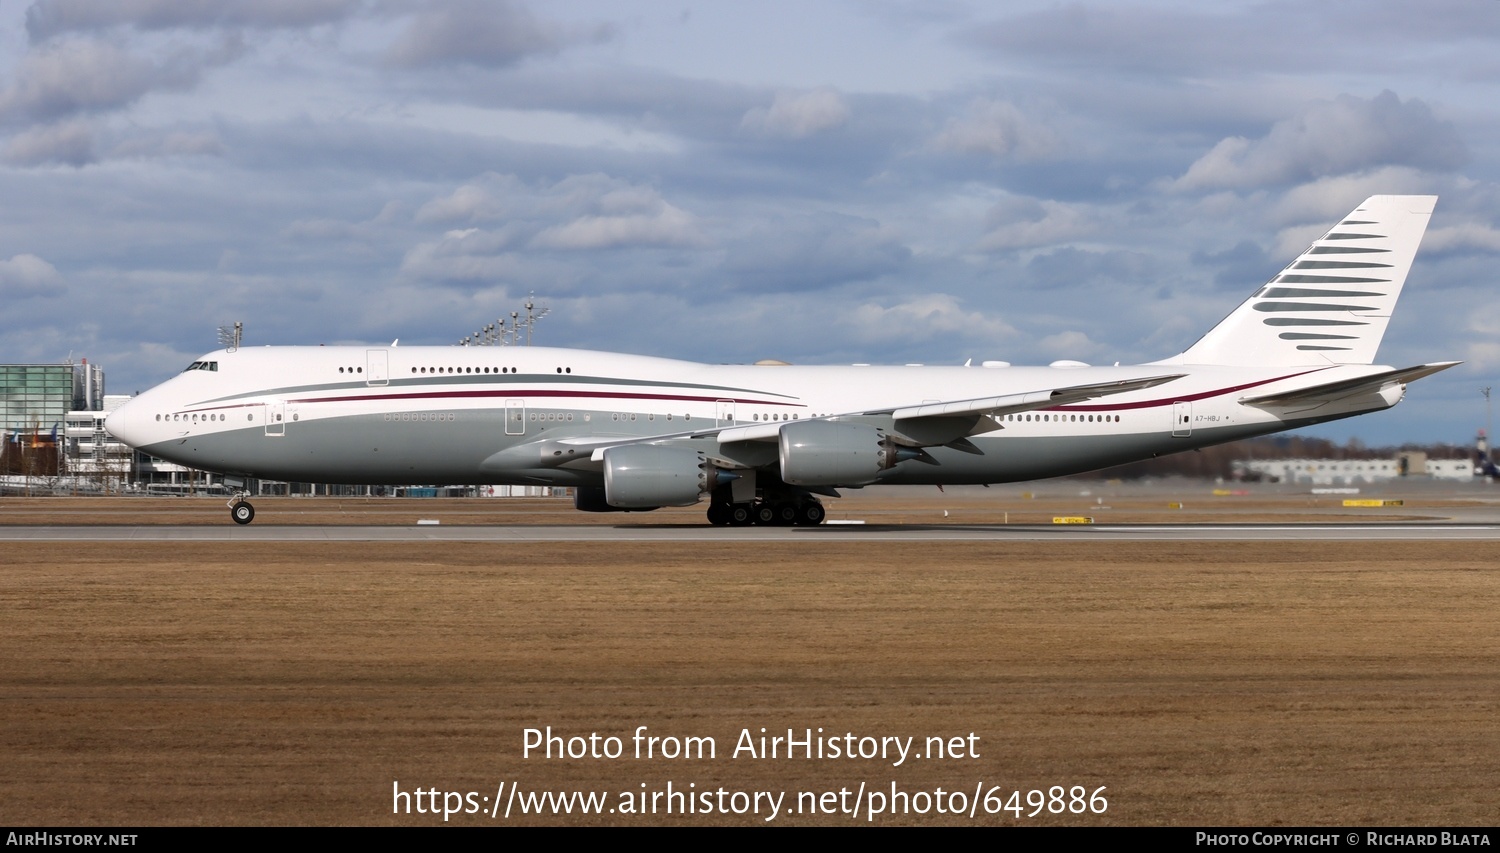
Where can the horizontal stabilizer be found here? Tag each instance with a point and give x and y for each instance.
(1348, 387)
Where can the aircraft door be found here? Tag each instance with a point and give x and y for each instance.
(515, 417)
(275, 418)
(1182, 418)
(376, 372)
(725, 413)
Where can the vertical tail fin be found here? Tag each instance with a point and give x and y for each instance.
(1332, 304)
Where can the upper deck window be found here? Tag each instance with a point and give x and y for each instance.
(203, 365)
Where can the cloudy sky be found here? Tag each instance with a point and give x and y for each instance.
(819, 182)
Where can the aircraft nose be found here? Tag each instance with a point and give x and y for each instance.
(119, 423)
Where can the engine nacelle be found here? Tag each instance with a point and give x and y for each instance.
(827, 453)
(592, 499)
(637, 476)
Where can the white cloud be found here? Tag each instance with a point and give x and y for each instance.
(75, 76)
(466, 256)
(806, 253)
(1070, 344)
(1482, 355)
(88, 75)
(28, 275)
(1027, 223)
(69, 143)
(47, 18)
(1198, 42)
(928, 316)
(663, 225)
(998, 129)
(1347, 134)
(1326, 199)
(799, 114)
(176, 143)
(491, 33)
(489, 197)
(1465, 235)
(323, 229)
(376, 231)
(76, 143)
(578, 212)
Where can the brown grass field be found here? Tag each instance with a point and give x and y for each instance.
(1291, 683)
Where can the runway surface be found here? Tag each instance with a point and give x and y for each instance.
(706, 533)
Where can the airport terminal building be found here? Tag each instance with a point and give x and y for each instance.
(54, 437)
(36, 398)
(1333, 472)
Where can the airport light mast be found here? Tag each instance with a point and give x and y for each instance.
(1486, 459)
(1488, 411)
(499, 333)
(229, 337)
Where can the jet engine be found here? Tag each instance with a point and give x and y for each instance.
(637, 476)
(827, 453)
(592, 499)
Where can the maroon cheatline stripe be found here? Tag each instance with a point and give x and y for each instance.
(531, 395)
(523, 394)
(221, 408)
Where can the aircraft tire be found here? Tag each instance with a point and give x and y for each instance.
(785, 514)
(740, 515)
(811, 514)
(765, 514)
(718, 514)
(242, 512)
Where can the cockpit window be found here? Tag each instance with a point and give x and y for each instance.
(203, 365)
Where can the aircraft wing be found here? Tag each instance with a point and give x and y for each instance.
(1012, 403)
(953, 422)
(949, 422)
(1347, 387)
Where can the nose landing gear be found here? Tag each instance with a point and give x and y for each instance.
(240, 510)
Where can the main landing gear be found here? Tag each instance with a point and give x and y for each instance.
(240, 510)
(807, 513)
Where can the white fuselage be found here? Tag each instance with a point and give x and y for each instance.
(467, 415)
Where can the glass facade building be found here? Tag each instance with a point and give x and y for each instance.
(34, 397)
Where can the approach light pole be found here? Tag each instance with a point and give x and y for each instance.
(502, 334)
(1488, 420)
(532, 316)
(229, 337)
